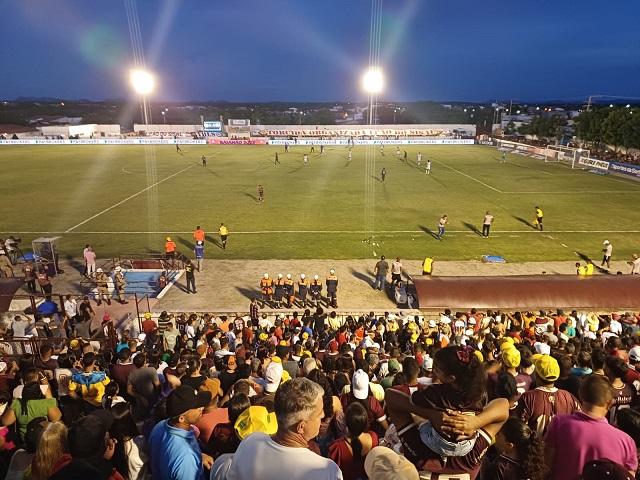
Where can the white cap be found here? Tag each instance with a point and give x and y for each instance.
(468, 332)
(634, 355)
(199, 242)
(288, 276)
(432, 324)
(391, 316)
(427, 362)
(282, 315)
(117, 269)
(472, 321)
(99, 270)
(142, 337)
(606, 242)
(315, 277)
(445, 320)
(302, 276)
(272, 376)
(542, 348)
(279, 275)
(360, 385)
(332, 271)
(266, 275)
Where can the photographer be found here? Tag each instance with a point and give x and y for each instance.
(11, 247)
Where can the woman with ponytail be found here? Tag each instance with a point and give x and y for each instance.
(349, 452)
(521, 454)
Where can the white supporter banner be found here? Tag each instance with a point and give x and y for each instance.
(109, 141)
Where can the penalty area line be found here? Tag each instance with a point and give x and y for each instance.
(468, 176)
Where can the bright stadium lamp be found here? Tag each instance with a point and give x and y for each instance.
(373, 80)
(142, 82)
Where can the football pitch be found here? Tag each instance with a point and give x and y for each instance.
(127, 199)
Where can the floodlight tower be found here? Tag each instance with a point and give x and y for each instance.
(373, 82)
(143, 84)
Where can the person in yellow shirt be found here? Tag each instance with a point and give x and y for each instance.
(224, 233)
(580, 270)
(427, 265)
(538, 221)
(589, 268)
(89, 384)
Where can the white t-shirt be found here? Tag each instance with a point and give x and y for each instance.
(260, 457)
(17, 392)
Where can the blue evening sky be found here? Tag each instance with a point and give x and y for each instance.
(317, 50)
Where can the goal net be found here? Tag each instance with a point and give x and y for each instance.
(568, 155)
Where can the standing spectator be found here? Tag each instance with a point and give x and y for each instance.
(486, 224)
(33, 404)
(143, 385)
(537, 407)
(441, 226)
(19, 326)
(90, 261)
(598, 439)
(52, 446)
(169, 249)
(121, 369)
(381, 270)
(191, 277)
(131, 452)
(170, 338)
(199, 252)
(44, 281)
(212, 414)
(396, 271)
(607, 250)
(635, 264)
(29, 271)
(254, 312)
(624, 394)
(175, 452)
(299, 412)
(89, 384)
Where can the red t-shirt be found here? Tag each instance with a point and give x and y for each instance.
(375, 411)
(340, 452)
(537, 407)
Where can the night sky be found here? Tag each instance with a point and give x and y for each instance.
(317, 50)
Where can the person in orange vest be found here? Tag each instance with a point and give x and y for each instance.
(198, 235)
(289, 290)
(316, 290)
(279, 284)
(266, 286)
(303, 288)
(332, 289)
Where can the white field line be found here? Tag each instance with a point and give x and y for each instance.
(468, 176)
(584, 192)
(136, 194)
(334, 232)
(128, 198)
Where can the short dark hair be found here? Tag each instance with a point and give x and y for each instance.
(139, 360)
(616, 366)
(596, 390)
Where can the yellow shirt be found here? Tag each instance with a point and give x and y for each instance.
(582, 271)
(223, 231)
(589, 269)
(427, 265)
(539, 213)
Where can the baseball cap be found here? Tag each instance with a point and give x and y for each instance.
(185, 398)
(382, 463)
(472, 321)
(394, 366)
(117, 269)
(168, 239)
(432, 324)
(211, 385)
(86, 435)
(147, 315)
(634, 355)
(199, 242)
(606, 242)
(273, 376)
(507, 342)
(604, 469)
(99, 270)
(333, 346)
(360, 385)
(547, 368)
(511, 357)
(256, 419)
(427, 363)
(542, 348)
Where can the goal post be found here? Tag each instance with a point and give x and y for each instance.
(568, 155)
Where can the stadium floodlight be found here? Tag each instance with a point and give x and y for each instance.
(142, 82)
(373, 80)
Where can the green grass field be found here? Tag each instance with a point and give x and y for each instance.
(100, 195)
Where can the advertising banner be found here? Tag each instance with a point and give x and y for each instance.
(594, 163)
(633, 170)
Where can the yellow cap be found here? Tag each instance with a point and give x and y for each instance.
(168, 239)
(547, 368)
(74, 343)
(147, 315)
(276, 359)
(478, 354)
(414, 338)
(429, 341)
(263, 336)
(507, 342)
(256, 419)
(511, 357)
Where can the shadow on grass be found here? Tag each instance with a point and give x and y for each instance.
(583, 256)
(249, 293)
(377, 178)
(212, 172)
(363, 277)
(524, 222)
(252, 197)
(213, 240)
(600, 269)
(428, 231)
(296, 169)
(471, 227)
(185, 243)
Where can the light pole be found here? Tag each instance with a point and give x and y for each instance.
(373, 82)
(143, 84)
(164, 118)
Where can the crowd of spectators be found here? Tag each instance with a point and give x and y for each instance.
(491, 395)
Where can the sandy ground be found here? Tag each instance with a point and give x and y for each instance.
(228, 285)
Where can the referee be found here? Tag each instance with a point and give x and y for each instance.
(224, 233)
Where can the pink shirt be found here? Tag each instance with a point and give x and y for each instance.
(90, 257)
(579, 438)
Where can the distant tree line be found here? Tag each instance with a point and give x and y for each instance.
(615, 126)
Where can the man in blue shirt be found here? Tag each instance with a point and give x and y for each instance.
(175, 452)
(199, 251)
